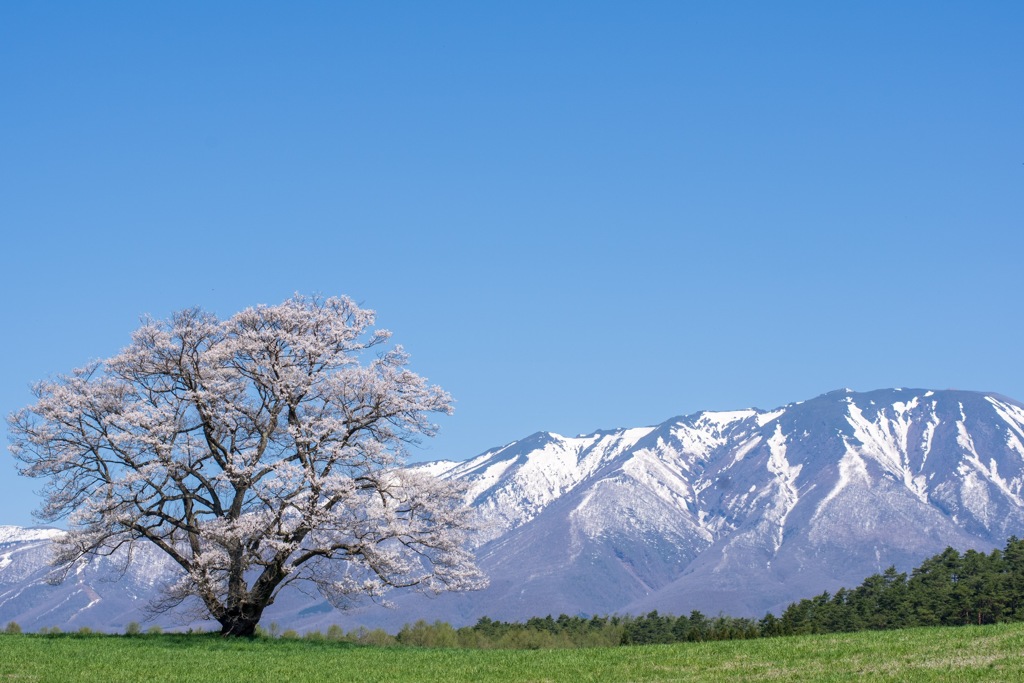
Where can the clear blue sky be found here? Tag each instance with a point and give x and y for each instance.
(574, 215)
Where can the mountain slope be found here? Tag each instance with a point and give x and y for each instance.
(745, 511)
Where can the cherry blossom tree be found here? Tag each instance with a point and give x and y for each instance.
(256, 452)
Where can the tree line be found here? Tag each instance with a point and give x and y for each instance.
(948, 589)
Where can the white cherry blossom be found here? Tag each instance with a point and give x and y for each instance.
(257, 452)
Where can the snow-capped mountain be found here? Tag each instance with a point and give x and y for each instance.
(737, 512)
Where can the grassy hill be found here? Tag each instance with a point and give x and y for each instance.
(986, 653)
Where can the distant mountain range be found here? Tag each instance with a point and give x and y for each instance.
(735, 512)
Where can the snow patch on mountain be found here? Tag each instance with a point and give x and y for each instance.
(852, 470)
(787, 494)
(928, 435)
(887, 441)
(513, 485)
(17, 534)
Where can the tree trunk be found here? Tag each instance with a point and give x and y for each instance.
(241, 620)
(245, 607)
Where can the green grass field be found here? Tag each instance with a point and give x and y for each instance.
(989, 653)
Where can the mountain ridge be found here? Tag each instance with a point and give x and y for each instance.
(737, 511)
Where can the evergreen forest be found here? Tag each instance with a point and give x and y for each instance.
(948, 589)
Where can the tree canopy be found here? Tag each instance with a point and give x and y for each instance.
(257, 451)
